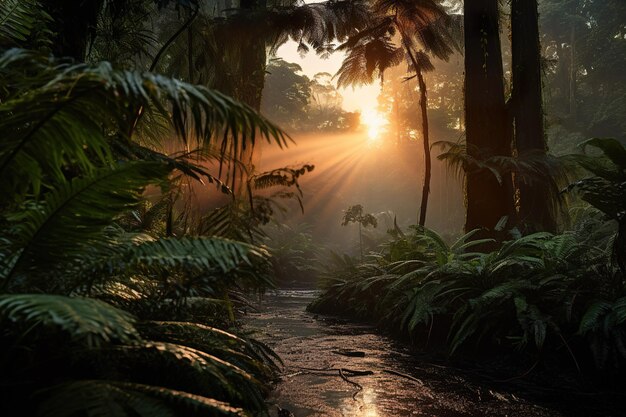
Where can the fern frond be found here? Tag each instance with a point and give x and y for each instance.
(191, 254)
(245, 353)
(78, 211)
(127, 399)
(83, 320)
(181, 368)
(591, 321)
(83, 102)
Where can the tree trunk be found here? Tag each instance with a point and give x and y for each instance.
(487, 200)
(74, 25)
(361, 241)
(396, 108)
(253, 66)
(427, 159)
(536, 206)
(572, 73)
(254, 62)
(249, 86)
(424, 109)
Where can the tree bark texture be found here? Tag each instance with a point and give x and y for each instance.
(253, 64)
(572, 73)
(425, 133)
(427, 157)
(536, 205)
(74, 25)
(487, 199)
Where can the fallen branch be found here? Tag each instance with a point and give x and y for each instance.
(392, 372)
(352, 372)
(349, 353)
(359, 387)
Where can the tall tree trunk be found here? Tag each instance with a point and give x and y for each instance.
(572, 73)
(74, 25)
(536, 206)
(487, 200)
(254, 62)
(253, 68)
(424, 109)
(427, 158)
(361, 241)
(249, 86)
(396, 108)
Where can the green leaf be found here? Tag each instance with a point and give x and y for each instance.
(612, 148)
(591, 320)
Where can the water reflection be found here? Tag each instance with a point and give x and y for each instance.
(365, 406)
(306, 342)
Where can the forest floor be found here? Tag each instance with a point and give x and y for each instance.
(336, 368)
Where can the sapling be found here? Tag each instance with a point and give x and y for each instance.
(354, 214)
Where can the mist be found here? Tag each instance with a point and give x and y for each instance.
(352, 169)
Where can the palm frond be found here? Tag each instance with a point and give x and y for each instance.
(231, 221)
(19, 20)
(592, 320)
(369, 54)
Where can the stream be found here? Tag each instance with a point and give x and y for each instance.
(394, 381)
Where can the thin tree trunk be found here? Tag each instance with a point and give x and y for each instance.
(360, 242)
(425, 134)
(536, 206)
(396, 106)
(427, 158)
(572, 73)
(487, 200)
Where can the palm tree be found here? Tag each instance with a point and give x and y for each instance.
(394, 35)
(228, 49)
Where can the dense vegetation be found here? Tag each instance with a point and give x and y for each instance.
(512, 283)
(542, 294)
(112, 303)
(120, 293)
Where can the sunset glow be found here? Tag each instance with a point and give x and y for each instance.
(374, 122)
(354, 98)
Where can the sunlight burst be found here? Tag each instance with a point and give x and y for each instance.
(375, 123)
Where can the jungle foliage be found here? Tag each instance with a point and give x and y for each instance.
(301, 104)
(110, 305)
(543, 294)
(119, 297)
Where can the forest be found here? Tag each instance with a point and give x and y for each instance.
(364, 208)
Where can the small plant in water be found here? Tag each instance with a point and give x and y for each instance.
(354, 214)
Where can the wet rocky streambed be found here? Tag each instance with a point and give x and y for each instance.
(336, 368)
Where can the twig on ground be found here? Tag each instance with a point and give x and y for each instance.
(392, 372)
(359, 387)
